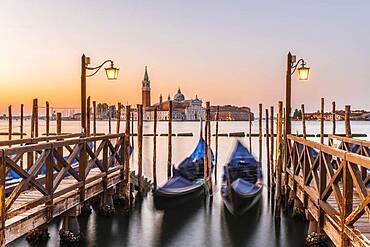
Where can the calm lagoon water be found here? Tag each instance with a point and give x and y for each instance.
(205, 223)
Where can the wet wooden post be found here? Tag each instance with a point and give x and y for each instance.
(169, 160)
(322, 121)
(216, 142)
(10, 129)
(118, 118)
(272, 175)
(333, 119)
(88, 116)
(94, 124)
(347, 202)
(59, 132)
(303, 122)
(127, 156)
(109, 122)
(267, 149)
(2, 198)
(205, 158)
(132, 129)
(209, 164)
(30, 155)
(36, 119)
(47, 119)
(260, 132)
(279, 161)
(250, 130)
(155, 149)
(140, 146)
(21, 129)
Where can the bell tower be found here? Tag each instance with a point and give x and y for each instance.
(145, 90)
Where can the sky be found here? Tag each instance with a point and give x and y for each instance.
(227, 52)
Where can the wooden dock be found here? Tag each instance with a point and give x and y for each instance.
(73, 174)
(331, 183)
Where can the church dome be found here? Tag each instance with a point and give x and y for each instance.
(179, 96)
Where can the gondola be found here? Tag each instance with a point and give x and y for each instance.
(186, 183)
(242, 181)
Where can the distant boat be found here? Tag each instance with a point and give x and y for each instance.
(187, 182)
(242, 181)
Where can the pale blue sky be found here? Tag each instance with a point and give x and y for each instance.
(228, 52)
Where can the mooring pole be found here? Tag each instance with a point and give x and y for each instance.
(132, 129)
(155, 150)
(87, 117)
(322, 121)
(140, 146)
(127, 156)
(209, 164)
(47, 119)
(169, 160)
(109, 122)
(216, 142)
(94, 124)
(267, 149)
(272, 172)
(22, 106)
(333, 122)
(10, 129)
(250, 130)
(260, 132)
(279, 161)
(118, 118)
(303, 122)
(36, 119)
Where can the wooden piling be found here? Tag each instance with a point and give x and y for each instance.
(47, 119)
(132, 129)
(216, 141)
(59, 123)
(267, 149)
(279, 161)
(260, 132)
(169, 160)
(303, 122)
(127, 155)
(109, 122)
(94, 124)
(118, 119)
(10, 129)
(347, 121)
(140, 145)
(88, 116)
(322, 121)
(155, 149)
(205, 158)
(250, 130)
(36, 119)
(209, 162)
(272, 175)
(22, 112)
(333, 117)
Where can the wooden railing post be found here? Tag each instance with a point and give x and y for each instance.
(347, 201)
(49, 178)
(2, 198)
(83, 160)
(59, 132)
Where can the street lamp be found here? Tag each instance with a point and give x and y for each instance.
(303, 72)
(111, 73)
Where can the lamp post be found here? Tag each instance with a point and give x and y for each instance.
(303, 72)
(111, 73)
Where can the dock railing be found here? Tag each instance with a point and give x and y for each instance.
(328, 181)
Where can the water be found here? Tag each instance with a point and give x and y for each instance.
(200, 224)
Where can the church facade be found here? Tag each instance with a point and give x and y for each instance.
(182, 109)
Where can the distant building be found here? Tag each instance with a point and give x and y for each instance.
(145, 89)
(232, 113)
